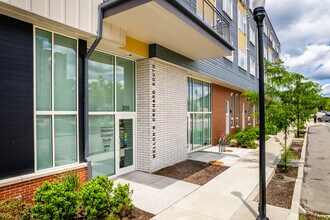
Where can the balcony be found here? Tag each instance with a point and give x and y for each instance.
(197, 31)
(210, 15)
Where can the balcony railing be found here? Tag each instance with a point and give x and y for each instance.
(208, 13)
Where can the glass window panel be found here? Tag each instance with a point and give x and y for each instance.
(101, 82)
(65, 139)
(197, 95)
(44, 142)
(65, 69)
(125, 85)
(207, 129)
(43, 70)
(102, 144)
(198, 131)
(126, 142)
(206, 98)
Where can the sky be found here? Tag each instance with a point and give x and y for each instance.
(303, 28)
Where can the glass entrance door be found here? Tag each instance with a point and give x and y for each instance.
(125, 146)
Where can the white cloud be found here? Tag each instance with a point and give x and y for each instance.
(313, 62)
(303, 30)
(326, 90)
(300, 23)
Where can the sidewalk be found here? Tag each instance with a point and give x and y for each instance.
(230, 195)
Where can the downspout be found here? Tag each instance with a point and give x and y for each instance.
(102, 7)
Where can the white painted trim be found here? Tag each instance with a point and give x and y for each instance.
(43, 173)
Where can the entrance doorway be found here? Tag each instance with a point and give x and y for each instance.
(125, 144)
(227, 117)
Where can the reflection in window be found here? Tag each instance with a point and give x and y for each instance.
(58, 111)
(65, 68)
(102, 144)
(101, 82)
(43, 70)
(125, 85)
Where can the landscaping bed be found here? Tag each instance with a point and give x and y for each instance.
(296, 148)
(192, 171)
(312, 217)
(139, 215)
(281, 187)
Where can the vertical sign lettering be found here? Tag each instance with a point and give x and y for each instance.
(153, 110)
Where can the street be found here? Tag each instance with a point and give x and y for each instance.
(316, 185)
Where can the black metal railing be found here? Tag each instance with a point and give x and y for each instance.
(208, 13)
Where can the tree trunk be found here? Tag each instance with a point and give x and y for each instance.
(298, 118)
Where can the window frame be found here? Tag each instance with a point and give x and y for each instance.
(242, 55)
(224, 8)
(237, 112)
(52, 113)
(191, 114)
(252, 60)
(252, 32)
(242, 22)
(231, 110)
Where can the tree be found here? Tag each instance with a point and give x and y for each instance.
(306, 99)
(290, 98)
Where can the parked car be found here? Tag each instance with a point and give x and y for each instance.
(324, 118)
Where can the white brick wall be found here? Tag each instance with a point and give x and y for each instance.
(170, 115)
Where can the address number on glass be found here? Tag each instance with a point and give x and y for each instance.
(125, 108)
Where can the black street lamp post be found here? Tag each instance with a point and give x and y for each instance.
(259, 14)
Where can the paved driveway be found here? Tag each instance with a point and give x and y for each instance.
(316, 185)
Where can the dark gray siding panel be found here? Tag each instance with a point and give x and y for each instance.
(16, 98)
(218, 68)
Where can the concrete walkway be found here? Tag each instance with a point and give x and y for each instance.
(316, 184)
(227, 158)
(154, 193)
(229, 195)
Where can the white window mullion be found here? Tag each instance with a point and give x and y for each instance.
(53, 104)
(115, 83)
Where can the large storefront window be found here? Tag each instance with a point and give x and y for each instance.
(111, 89)
(56, 99)
(199, 114)
(125, 86)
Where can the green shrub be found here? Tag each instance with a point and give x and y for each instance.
(55, 201)
(96, 197)
(13, 209)
(121, 202)
(254, 131)
(245, 139)
(72, 179)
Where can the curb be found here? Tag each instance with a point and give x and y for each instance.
(295, 204)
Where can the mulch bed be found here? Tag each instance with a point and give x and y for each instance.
(281, 187)
(192, 171)
(135, 214)
(296, 147)
(311, 217)
(139, 215)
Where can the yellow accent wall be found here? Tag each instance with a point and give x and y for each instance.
(208, 11)
(136, 47)
(242, 38)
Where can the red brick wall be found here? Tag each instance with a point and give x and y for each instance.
(27, 188)
(220, 95)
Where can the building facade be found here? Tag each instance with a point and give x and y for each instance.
(166, 79)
